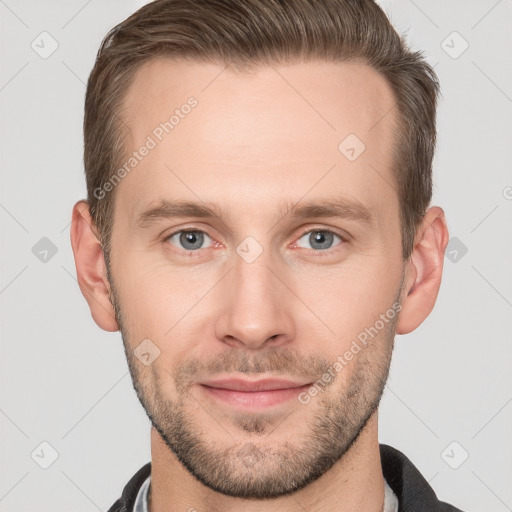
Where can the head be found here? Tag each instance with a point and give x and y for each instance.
(259, 177)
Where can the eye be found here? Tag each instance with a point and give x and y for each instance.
(190, 240)
(319, 239)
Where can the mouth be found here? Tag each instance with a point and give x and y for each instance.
(253, 395)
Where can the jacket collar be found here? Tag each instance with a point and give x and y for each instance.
(412, 490)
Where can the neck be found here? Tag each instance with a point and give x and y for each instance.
(355, 482)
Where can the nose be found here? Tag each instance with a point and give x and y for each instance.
(255, 306)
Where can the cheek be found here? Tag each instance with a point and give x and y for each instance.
(147, 298)
(166, 305)
(345, 300)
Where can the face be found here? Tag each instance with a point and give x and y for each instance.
(256, 264)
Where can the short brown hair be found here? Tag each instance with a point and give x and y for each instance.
(250, 32)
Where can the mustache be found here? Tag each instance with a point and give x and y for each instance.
(275, 361)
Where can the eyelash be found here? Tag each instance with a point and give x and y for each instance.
(314, 252)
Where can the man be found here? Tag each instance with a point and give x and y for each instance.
(258, 228)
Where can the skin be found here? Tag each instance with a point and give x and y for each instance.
(254, 140)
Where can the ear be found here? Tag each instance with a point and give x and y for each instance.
(423, 271)
(91, 270)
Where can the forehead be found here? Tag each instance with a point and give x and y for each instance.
(286, 130)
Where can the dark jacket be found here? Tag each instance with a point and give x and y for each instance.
(412, 490)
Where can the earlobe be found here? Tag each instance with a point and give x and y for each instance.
(424, 271)
(90, 267)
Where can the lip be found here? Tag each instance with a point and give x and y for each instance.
(253, 394)
(237, 384)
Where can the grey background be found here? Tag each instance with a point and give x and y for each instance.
(65, 382)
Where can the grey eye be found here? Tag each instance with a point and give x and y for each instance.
(318, 239)
(189, 240)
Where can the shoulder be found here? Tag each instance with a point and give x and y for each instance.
(126, 501)
(414, 493)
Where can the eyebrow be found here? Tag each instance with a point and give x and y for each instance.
(342, 208)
